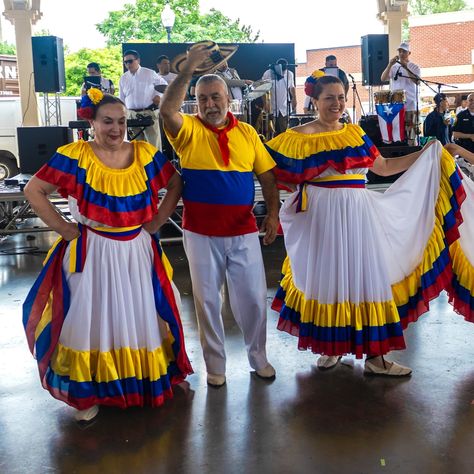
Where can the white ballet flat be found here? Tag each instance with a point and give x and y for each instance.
(327, 362)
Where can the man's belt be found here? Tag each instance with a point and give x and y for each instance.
(150, 107)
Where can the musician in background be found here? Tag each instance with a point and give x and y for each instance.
(106, 85)
(232, 79)
(282, 94)
(163, 67)
(138, 92)
(403, 74)
(332, 69)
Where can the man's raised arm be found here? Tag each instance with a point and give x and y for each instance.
(176, 91)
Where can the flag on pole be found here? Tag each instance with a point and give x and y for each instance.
(391, 121)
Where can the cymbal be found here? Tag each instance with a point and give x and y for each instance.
(257, 89)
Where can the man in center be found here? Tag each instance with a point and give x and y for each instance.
(219, 156)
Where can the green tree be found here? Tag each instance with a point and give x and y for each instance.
(110, 60)
(43, 32)
(142, 21)
(427, 7)
(7, 48)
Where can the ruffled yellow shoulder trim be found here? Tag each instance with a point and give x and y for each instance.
(294, 144)
(124, 182)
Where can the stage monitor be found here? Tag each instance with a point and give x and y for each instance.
(36, 145)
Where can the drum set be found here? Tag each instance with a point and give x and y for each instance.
(242, 108)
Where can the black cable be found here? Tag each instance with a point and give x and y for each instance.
(28, 101)
(22, 251)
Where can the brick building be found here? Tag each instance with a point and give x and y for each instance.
(442, 45)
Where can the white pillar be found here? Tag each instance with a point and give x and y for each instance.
(22, 20)
(393, 26)
(391, 13)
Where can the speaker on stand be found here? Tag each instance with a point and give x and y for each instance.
(48, 64)
(49, 73)
(374, 56)
(374, 50)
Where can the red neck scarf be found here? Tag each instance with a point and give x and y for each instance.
(222, 137)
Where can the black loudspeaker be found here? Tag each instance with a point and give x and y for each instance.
(48, 64)
(374, 50)
(370, 125)
(36, 145)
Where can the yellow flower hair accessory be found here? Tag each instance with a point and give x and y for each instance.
(95, 95)
(317, 74)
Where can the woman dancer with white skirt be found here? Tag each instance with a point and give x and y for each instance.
(102, 319)
(360, 265)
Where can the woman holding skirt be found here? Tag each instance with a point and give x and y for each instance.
(360, 265)
(102, 318)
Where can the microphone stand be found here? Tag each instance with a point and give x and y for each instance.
(288, 99)
(275, 101)
(354, 95)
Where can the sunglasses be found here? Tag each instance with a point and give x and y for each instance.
(128, 61)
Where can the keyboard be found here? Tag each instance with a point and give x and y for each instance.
(131, 123)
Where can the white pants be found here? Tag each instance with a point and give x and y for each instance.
(150, 134)
(239, 260)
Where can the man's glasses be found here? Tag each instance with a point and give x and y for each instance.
(128, 61)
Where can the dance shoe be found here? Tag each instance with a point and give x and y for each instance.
(215, 380)
(267, 373)
(391, 369)
(87, 415)
(327, 362)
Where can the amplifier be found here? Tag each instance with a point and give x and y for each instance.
(36, 145)
(370, 125)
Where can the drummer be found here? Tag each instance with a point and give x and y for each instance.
(232, 79)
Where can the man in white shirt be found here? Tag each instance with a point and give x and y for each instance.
(163, 66)
(138, 91)
(404, 74)
(282, 93)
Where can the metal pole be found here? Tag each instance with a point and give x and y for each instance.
(168, 31)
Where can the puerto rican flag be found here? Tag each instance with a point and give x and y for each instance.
(391, 122)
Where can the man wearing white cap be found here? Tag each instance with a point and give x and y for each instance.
(403, 74)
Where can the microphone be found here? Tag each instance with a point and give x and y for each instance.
(351, 76)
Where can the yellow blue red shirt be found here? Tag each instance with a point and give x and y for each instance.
(218, 199)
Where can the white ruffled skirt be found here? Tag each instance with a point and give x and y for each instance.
(362, 264)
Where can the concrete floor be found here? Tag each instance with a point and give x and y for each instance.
(306, 421)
